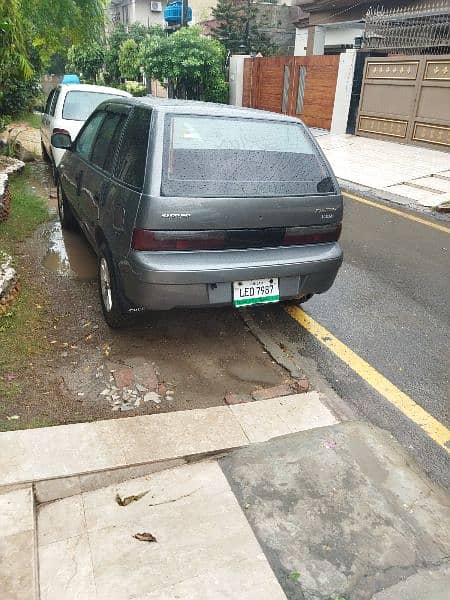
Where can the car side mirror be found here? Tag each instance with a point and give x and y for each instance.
(62, 141)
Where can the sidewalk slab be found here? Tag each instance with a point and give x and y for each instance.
(68, 459)
(17, 545)
(267, 419)
(345, 508)
(205, 547)
(386, 166)
(178, 434)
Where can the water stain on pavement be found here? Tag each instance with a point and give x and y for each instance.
(68, 254)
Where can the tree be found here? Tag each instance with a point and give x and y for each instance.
(58, 25)
(86, 60)
(31, 32)
(192, 63)
(13, 48)
(129, 60)
(120, 34)
(240, 28)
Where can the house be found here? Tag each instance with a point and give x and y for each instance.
(147, 12)
(333, 26)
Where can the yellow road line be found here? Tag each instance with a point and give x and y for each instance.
(395, 211)
(436, 430)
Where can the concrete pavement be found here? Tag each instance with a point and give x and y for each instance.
(336, 511)
(342, 512)
(52, 469)
(401, 173)
(389, 304)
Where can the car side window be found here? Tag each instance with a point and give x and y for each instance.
(132, 157)
(86, 139)
(54, 101)
(107, 139)
(49, 101)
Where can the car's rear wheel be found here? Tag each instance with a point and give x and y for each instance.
(111, 300)
(66, 215)
(304, 298)
(54, 171)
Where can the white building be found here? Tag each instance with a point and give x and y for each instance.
(146, 12)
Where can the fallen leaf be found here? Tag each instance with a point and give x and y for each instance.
(145, 537)
(129, 499)
(295, 576)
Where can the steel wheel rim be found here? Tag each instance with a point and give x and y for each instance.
(105, 284)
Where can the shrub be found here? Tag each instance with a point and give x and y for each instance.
(133, 87)
(18, 96)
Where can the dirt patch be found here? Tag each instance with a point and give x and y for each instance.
(179, 360)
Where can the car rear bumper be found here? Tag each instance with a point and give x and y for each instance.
(165, 280)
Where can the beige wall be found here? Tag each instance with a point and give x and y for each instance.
(138, 11)
(202, 9)
(143, 14)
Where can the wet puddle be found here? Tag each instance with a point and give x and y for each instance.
(68, 254)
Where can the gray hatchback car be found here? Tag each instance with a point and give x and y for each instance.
(190, 204)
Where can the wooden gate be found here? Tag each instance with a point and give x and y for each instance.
(300, 86)
(407, 99)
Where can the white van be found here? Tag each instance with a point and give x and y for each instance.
(67, 108)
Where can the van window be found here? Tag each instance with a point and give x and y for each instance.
(107, 140)
(132, 157)
(86, 138)
(49, 102)
(78, 105)
(54, 101)
(239, 157)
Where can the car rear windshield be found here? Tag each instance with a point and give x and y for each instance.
(220, 156)
(78, 105)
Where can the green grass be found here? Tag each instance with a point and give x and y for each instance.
(28, 210)
(32, 423)
(18, 328)
(31, 119)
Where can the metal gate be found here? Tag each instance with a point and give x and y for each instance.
(407, 99)
(301, 86)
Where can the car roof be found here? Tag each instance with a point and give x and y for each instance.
(86, 87)
(196, 107)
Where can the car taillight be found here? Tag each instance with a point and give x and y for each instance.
(145, 239)
(296, 236)
(59, 130)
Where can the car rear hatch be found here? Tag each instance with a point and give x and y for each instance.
(233, 183)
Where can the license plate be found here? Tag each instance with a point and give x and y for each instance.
(256, 291)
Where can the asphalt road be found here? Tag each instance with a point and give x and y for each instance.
(390, 305)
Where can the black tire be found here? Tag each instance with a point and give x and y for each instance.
(304, 299)
(111, 298)
(297, 300)
(66, 216)
(54, 171)
(45, 155)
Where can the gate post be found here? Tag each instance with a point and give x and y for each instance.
(343, 94)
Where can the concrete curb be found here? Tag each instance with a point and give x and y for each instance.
(68, 459)
(389, 197)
